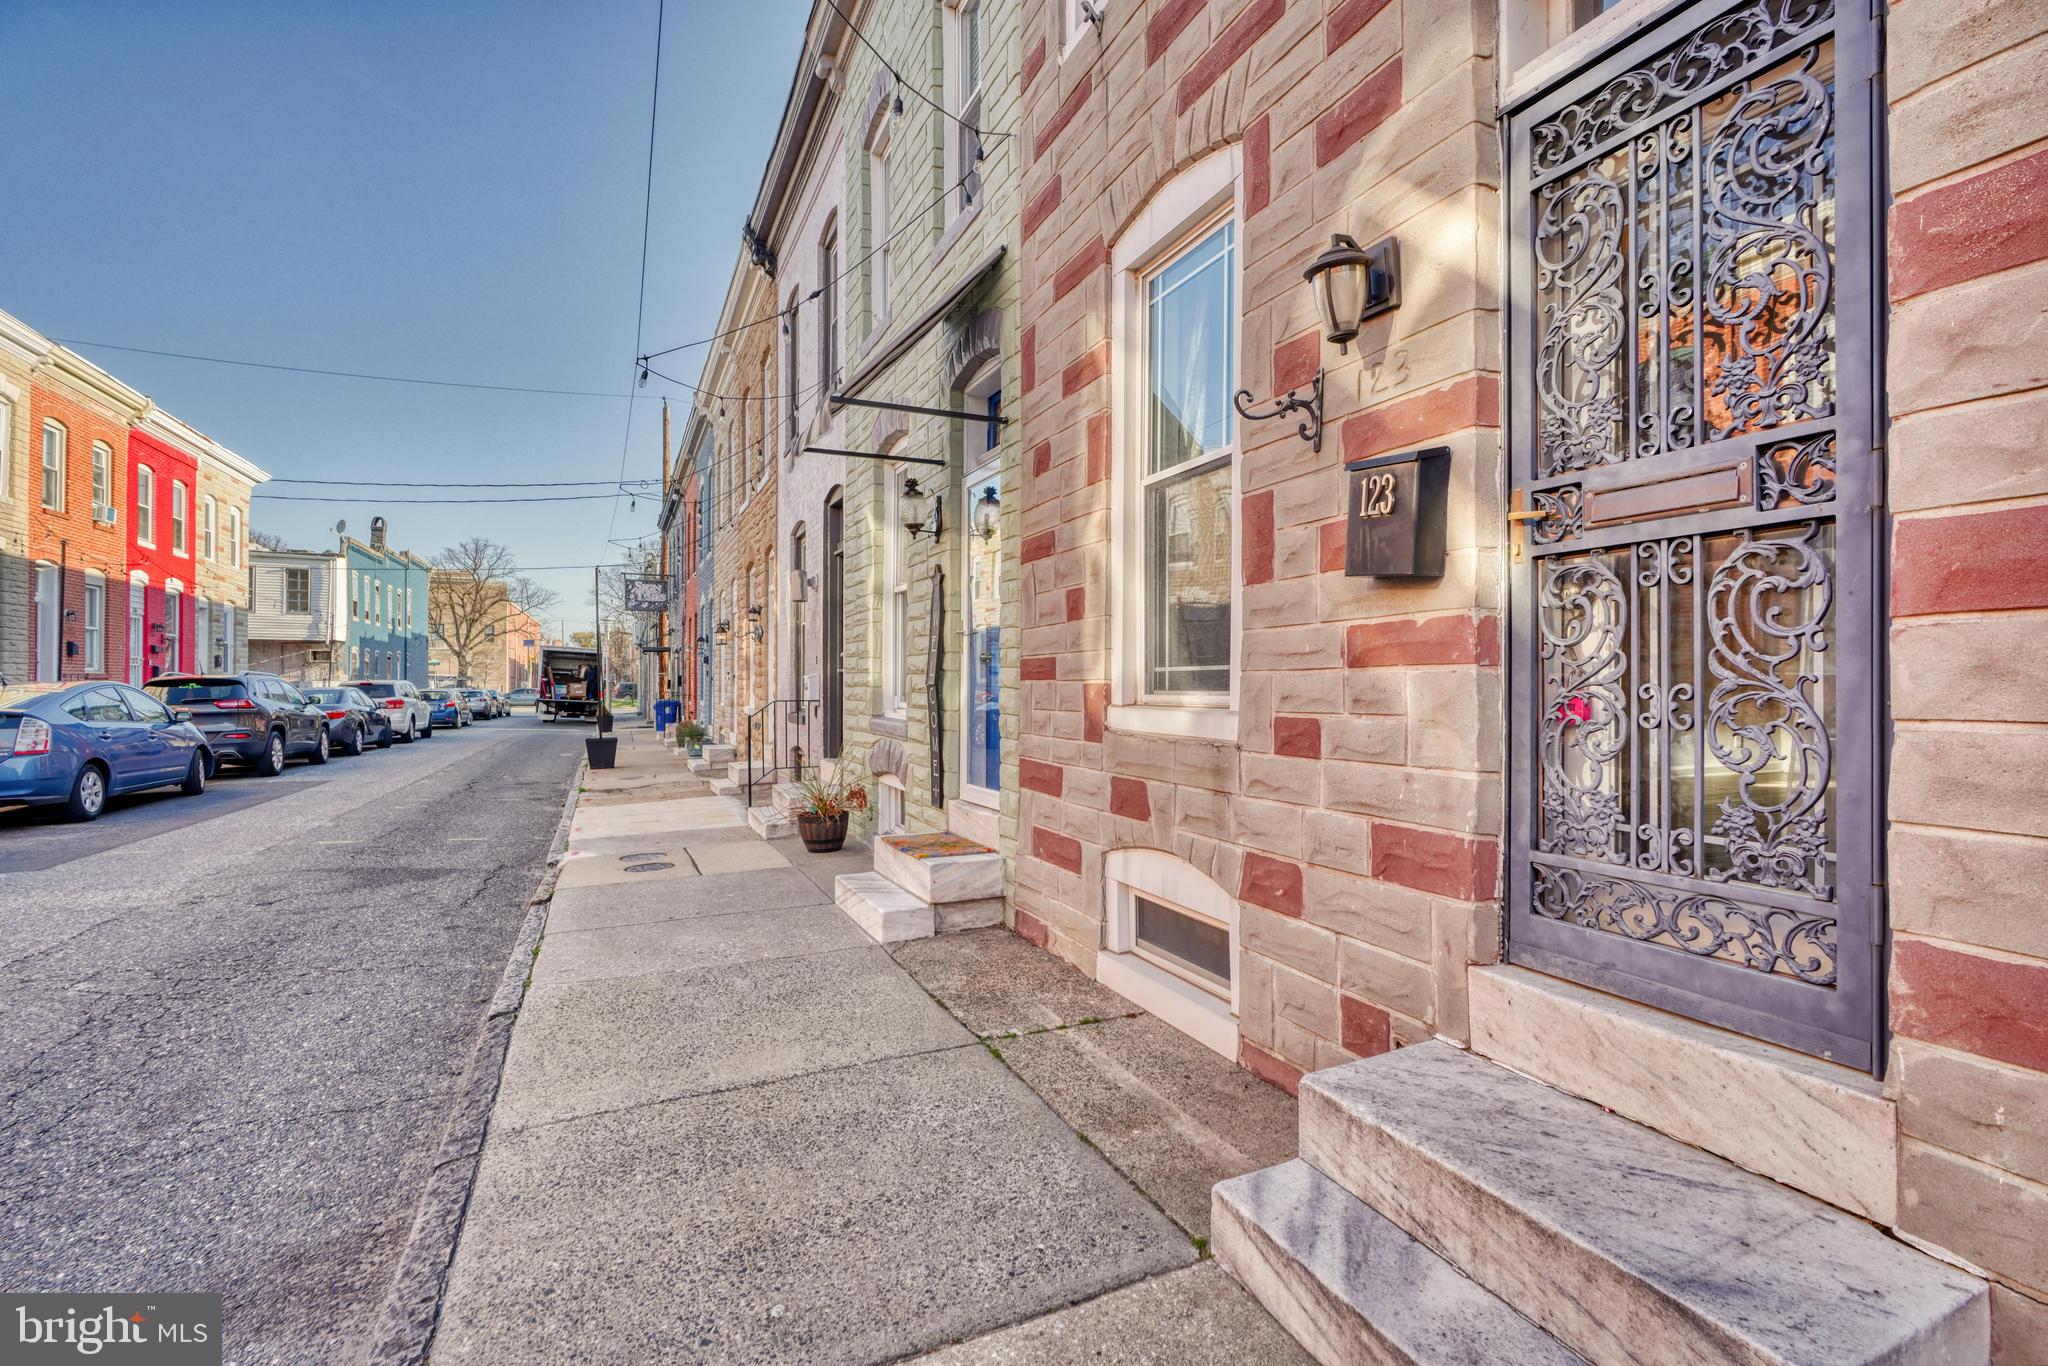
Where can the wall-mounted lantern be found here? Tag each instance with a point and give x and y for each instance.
(1351, 284)
(928, 522)
(754, 628)
(987, 511)
(722, 633)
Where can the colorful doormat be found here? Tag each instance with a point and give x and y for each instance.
(934, 846)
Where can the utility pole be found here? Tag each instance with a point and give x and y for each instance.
(661, 623)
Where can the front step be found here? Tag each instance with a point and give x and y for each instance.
(706, 768)
(725, 787)
(769, 823)
(887, 912)
(1350, 1286)
(720, 754)
(788, 798)
(1617, 1240)
(973, 874)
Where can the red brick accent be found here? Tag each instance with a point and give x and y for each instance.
(1130, 797)
(1461, 638)
(1970, 562)
(1032, 928)
(1366, 107)
(1029, 345)
(1298, 737)
(1098, 447)
(1992, 1007)
(1330, 550)
(1267, 1068)
(1363, 1028)
(1432, 861)
(1061, 851)
(1470, 402)
(1061, 117)
(1037, 668)
(1295, 360)
(1041, 206)
(1041, 457)
(1094, 711)
(1092, 365)
(1168, 24)
(1256, 519)
(1347, 19)
(1039, 546)
(1040, 776)
(1271, 882)
(1078, 267)
(1077, 603)
(1258, 165)
(1990, 222)
(1232, 43)
(1034, 62)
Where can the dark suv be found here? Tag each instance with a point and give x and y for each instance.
(255, 718)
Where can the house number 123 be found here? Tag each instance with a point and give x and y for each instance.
(1377, 498)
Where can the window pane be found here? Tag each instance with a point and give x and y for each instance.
(1187, 576)
(1190, 307)
(1199, 947)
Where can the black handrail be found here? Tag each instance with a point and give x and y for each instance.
(796, 720)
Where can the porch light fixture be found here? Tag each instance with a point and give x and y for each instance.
(987, 509)
(927, 523)
(1354, 283)
(722, 633)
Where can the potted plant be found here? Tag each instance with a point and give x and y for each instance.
(829, 802)
(692, 734)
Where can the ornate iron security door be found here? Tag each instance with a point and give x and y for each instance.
(1695, 677)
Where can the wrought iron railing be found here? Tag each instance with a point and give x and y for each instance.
(787, 730)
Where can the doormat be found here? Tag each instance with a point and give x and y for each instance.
(934, 846)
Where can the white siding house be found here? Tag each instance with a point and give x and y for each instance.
(296, 626)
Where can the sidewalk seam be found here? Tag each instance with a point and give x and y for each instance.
(411, 1313)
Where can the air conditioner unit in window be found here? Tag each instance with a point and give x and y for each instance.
(111, 516)
(319, 656)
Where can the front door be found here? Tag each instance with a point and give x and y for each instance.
(833, 647)
(1695, 604)
(49, 636)
(981, 770)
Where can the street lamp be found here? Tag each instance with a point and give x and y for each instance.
(987, 509)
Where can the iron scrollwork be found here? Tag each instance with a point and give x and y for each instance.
(1583, 618)
(1801, 471)
(1311, 427)
(1564, 514)
(1578, 276)
(1768, 939)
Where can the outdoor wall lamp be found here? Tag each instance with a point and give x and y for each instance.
(1351, 284)
(722, 633)
(929, 523)
(987, 509)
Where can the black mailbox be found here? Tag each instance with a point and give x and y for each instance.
(1396, 526)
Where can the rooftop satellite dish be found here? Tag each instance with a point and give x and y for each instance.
(341, 528)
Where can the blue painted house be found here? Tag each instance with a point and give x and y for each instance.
(386, 609)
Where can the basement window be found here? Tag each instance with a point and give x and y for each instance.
(1189, 945)
(1170, 944)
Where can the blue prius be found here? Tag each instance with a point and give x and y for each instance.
(81, 743)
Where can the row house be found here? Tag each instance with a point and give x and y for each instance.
(298, 626)
(122, 529)
(387, 634)
(1480, 559)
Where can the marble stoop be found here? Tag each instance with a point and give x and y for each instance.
(725, 787)
(1352, 1287)
(770, 824)
(719, 754)
(1621, 1243)
(954, 877)
(885, 911)
(705, 768)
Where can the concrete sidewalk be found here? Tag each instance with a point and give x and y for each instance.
(730, 1127)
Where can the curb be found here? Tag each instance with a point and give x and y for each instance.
(405, 1325)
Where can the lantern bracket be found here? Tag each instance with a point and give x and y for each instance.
(1311, 426)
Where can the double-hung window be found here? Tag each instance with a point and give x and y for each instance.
(235, 537)
(95, 622)
(828, 310)
(208, 513)
(145, 506)
(880, 227)
(181, 540)
(6, 450)
(54, 441)
(102, 481)
(298, 590)
(895, 599)
(968, 54)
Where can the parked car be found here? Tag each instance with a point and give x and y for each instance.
(480, 708)
(451, 708)
(499, 707)
(80, 743)
(354, 722)
(412, 716)
(256, 719)
(523, 697)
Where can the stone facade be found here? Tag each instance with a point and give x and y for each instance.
(20, 350)
(227, 481)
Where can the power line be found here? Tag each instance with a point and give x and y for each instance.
(345, 374)
(646, 219)
(890, 67)
(460, 483)
(454, 502)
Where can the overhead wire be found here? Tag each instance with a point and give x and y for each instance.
(897, 75)
(345, 374)
(646, 226)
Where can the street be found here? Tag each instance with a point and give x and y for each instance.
(236, 1022)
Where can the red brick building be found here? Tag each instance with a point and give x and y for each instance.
(162, 485)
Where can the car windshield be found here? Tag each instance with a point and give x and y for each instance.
(377, 689)
(178, 694)
(435, 695)
(335, 695)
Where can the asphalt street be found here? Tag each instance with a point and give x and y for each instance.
(232, 1026)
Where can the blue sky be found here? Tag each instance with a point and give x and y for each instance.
(448, 189)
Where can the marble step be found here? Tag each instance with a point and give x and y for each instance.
(1353, 1288)
(770, 824)
(787, 798)
(707, 768)
(955, 877)
(1610, 1236)
(725, 787)
(887, 912)
(720, 754)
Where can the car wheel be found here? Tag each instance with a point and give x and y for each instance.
(384, 740)
(195, 775)
(428, 733)
(355, 744)
(321, 749)
(272, 762)
(88, 794)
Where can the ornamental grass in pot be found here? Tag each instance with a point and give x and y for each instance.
(829, 803)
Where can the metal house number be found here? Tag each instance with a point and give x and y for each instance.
(1377, 499)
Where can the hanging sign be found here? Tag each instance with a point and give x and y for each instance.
(935, 687)
(646, 594)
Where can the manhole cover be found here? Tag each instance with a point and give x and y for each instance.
(647, 867)
(640, 858)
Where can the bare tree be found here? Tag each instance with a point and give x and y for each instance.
(267, 540)
(475, 584)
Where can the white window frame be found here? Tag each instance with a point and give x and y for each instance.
(881, 225)
(6, 446)
(102, 482)
(964, 104)
(174, 635)
(93, 616)
(288, 571)
(1183, 211)
(895, 590)
(235, 537)
(49, 624)
(138, 626)
(1073, 27)
(202, 635)
(1197, 1010)
(981, 464)
(228, 662)
(208, 512)
(181, 519)
(57, 439)
(145, 506)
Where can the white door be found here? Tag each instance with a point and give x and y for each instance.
(47, 636)
(136, 594)
(202, 635)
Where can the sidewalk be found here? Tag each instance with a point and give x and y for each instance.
(730, 1127)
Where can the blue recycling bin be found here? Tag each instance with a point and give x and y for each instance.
(666, 712)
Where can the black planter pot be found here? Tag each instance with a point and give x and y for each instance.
(601, 749)
(822, 834)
